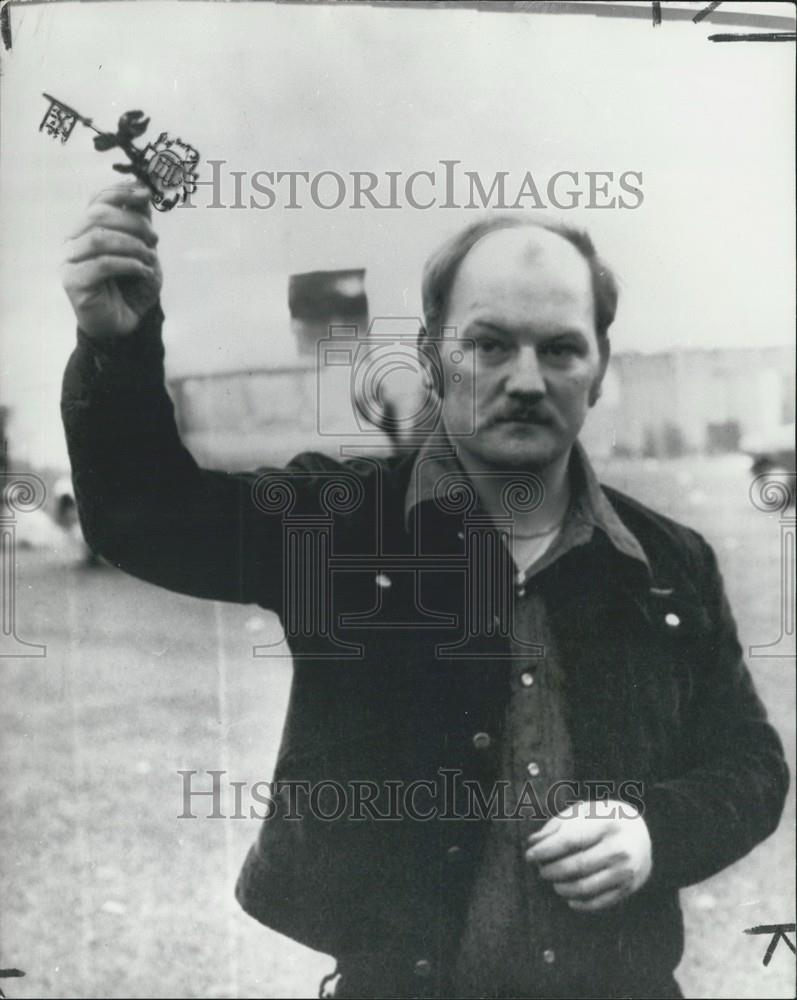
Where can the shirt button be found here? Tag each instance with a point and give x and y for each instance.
(672, 619)
(481, 741)
(549, 956)
(526, 679)
(521, 592)
(423, 967)
(533, 769)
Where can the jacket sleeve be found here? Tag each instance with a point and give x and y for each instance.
(732, 794)
(144, 503)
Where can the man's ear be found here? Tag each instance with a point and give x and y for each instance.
(604, 349)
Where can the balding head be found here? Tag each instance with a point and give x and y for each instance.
(444, 264)
(534, 273)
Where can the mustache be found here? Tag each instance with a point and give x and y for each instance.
(531, 413)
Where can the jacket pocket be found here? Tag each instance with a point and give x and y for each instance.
(665, 651)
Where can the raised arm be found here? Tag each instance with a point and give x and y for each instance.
(144, 503)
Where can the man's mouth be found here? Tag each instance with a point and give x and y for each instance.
(530, 419)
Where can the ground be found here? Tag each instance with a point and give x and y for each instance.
(107, 893)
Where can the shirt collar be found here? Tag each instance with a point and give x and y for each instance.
(437, 468)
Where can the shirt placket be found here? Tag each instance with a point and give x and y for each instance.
(539, 754)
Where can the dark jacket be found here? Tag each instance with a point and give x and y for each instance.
(394, 673)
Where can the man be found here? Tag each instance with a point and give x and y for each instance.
(486, 616)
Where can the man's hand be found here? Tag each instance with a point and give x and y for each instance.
(595, 853)
(111, 271)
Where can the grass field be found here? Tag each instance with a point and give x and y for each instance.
(106, 893)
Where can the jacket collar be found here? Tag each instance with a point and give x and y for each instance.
(437, 470)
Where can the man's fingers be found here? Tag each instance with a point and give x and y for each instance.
(572, 836)
(114, 241)
(133, 195)
(553, 824)
(594, 885)
(99, 242)
(578, 865)
(105, 216)
(89, 273)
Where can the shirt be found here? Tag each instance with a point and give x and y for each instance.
(503, 950)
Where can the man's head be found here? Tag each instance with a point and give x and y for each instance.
(532, 304)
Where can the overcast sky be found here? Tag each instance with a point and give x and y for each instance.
(706, 260)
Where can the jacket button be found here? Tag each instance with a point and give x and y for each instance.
(383, 581)
(423, 968)
(672, 619)
(481, 741)
(533, 769)
(526, 679)
(549, 956)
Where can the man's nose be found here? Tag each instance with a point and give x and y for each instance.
(526, 378)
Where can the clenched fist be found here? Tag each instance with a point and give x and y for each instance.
(595, 853)
(111, 271)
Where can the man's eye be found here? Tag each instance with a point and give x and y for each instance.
(488, 345)
(560, 350)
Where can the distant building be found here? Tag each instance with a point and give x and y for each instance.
(692, 400)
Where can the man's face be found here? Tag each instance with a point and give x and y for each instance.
(524, 298)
